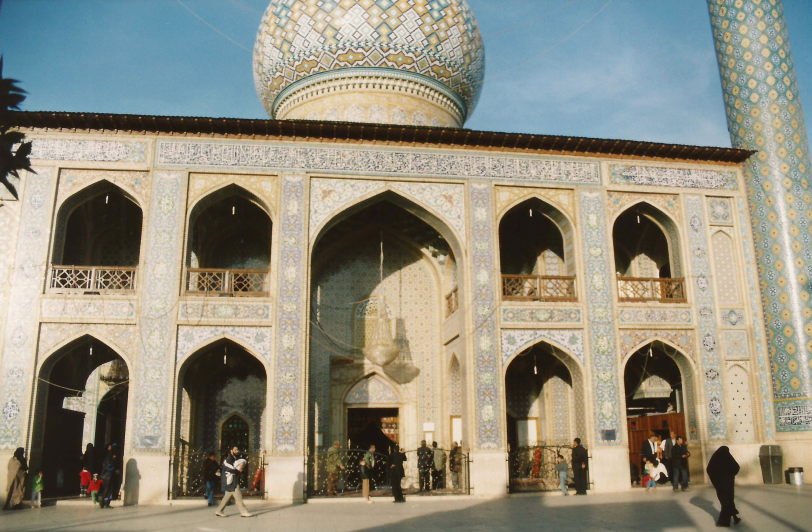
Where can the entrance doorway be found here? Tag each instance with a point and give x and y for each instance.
(367, 426)
(655, 399)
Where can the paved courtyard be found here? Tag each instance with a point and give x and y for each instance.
(773, 509)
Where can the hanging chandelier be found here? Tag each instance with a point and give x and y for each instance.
(115, 373)
(380, 347)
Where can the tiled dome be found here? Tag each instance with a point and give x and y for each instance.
(435, 43)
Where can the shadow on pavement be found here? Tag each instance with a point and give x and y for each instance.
(534, 514)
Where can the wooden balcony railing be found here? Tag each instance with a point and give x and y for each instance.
(639, 289)
(452, 302)
(92, 278)
(538, 288)
(226, 282)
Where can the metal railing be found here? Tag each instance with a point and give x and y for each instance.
(343, 475)
(187, 472)
(538, 287)
(230, 282)
(533, 468)
(452, 302)
(92, 278)
(640, 289)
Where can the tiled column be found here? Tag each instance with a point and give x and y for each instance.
(488, 469)
(152, 393)
(609, 469)
(18, 370)
(286, 463)
(764, 114)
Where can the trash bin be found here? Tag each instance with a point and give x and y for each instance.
(796, 476)
(771, 464)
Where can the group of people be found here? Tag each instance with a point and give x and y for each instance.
(432, 465)
(665, 459)
(100, 481)
(230, 473)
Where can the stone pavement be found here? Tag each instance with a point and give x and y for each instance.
(763, 508)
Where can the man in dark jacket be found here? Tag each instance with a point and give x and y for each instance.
(233, 466)
(679, 464)
(111, 475)
(396, 473)
(211, 476)
(580, 458)
(425, 463)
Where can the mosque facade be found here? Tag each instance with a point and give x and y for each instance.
(362, 269)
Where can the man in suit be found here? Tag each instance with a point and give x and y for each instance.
(396, 473)
(648, 450)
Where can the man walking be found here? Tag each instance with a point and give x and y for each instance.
(425, 462)
(233, 466)
(580, 459)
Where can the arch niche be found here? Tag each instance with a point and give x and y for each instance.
(228, 249)
(98, 227)
(81, 397)
(380, 271)
(660, 397)
(220, 403)
(536, 253)
(647, 255)
(544, 397)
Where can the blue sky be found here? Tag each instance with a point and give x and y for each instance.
(635, 69)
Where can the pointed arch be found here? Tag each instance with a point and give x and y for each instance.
(224, 191)
(411, 205)
(221, 337)
(53, 354)
(537, 251)
(98, 225)
(372, 389)
(212, 342)
(649, 216)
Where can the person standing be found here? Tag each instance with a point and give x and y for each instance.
(36, 490)
(17, 471)
(233, 466)
(84, 481)
(111, 475)
(89, 459)
(580, 458)
(396, 473)
(667, 446)
(455, 465)
(425, 461)
(679, 464)
(369, 457)
(334, 467)
(563, 471)
(366, 472)
(438, 467)
(722, 470)
(211, 476)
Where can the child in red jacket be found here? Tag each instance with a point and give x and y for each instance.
(84, 482)
(94, 487)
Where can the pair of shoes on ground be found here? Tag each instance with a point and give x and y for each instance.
(219, 514)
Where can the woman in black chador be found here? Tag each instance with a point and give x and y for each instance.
(722, 469)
